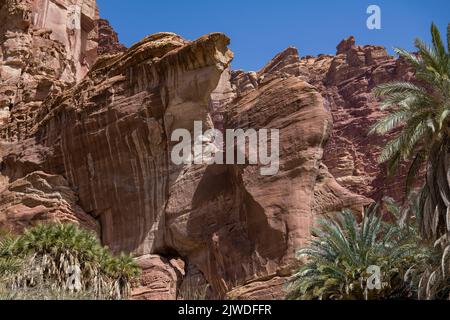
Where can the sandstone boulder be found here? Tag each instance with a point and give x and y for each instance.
(160, 278)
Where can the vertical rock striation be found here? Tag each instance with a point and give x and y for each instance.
(88, 140)
(45, 46)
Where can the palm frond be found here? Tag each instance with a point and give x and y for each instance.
(397, 88)
(414, 171)
(439, 47)
(410, 57)
(47, 253)
(429, 56)
(448, 38)
(337, 261)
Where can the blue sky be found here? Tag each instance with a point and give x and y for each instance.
(259, 29)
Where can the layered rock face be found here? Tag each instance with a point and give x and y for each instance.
(39, 198)
(237, 226)
(161, 278)
(45, 45)
(73, 23)
(236, 230)
(345, 81)
(108, 135)
(96, 150)
(108, 40)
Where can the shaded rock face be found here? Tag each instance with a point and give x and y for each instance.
(108, 40)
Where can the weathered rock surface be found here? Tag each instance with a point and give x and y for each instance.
(40, 197)
(108, 39)
(108, 135)
(240, 227)
(345, 81)
(352, 155)
(96, 150)
(160, 278)
(45, 45)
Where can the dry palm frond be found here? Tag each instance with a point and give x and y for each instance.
(50, 254)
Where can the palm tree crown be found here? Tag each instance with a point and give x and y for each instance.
(421, 112)
(43, 257)
(343, 251)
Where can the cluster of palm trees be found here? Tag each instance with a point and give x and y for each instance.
(414, 254)
(55, 261)
(340, 258)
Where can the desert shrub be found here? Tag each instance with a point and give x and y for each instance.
(61, 260)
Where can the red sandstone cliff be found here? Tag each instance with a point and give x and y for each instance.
(95, 150)
(108, 39)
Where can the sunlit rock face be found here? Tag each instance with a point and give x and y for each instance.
(241, 228)
(346, 81)
(45, 46)
(39, 198)
(87, 140)
(73, 23)
(108, 135)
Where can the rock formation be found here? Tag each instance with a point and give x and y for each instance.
(38, 198)
(352, 154)
(160, 278)
(95, 149)
(108, 40)
(45, 46)
(345, 81)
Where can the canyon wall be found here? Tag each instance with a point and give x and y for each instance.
(87, 139)
(45, 47)
(345, 81)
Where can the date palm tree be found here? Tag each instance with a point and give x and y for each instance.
(339, 258)
(420, 112)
